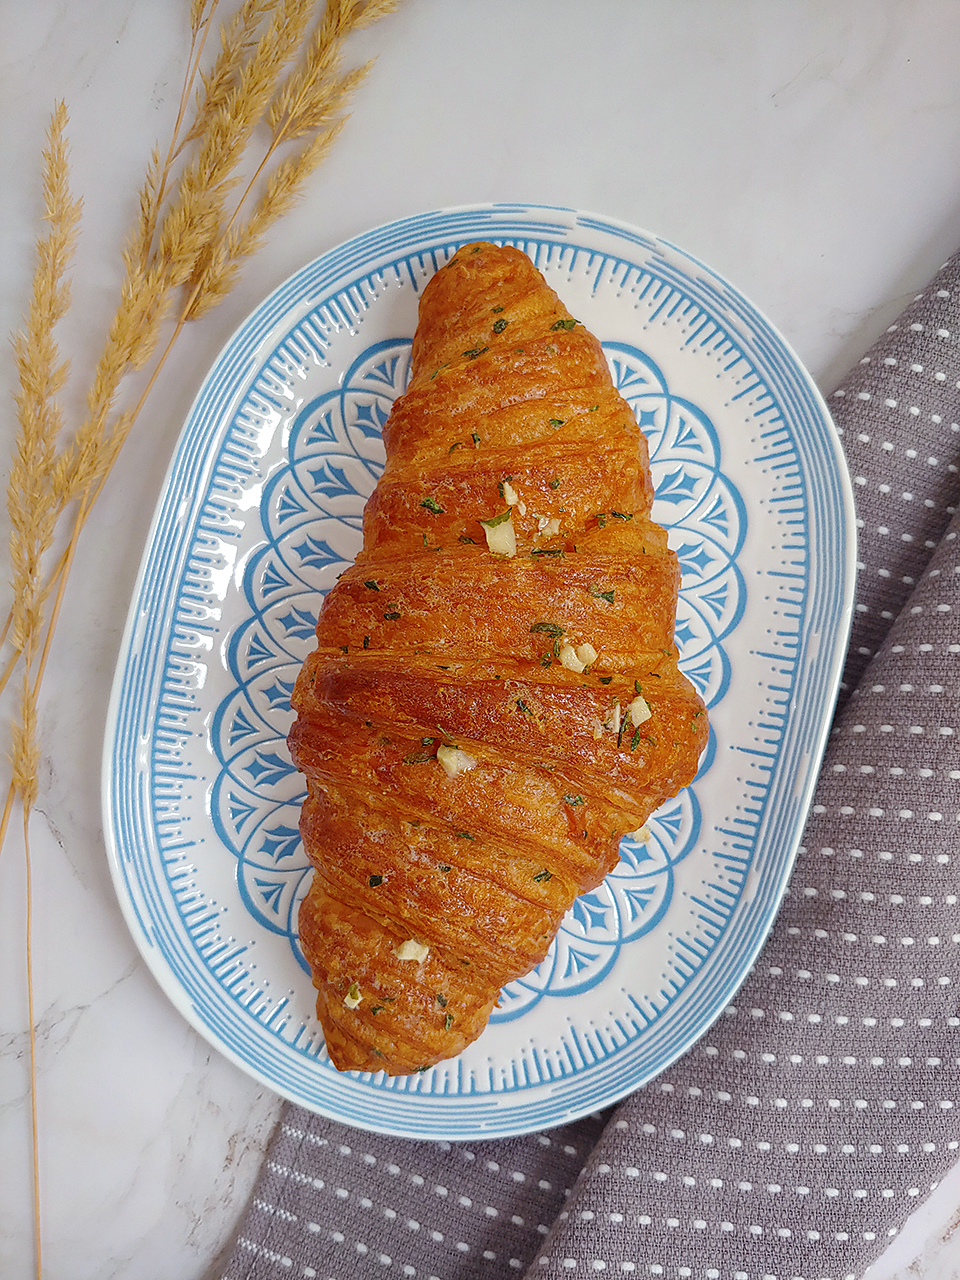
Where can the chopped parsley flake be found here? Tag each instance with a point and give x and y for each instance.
(543, 875)
(448, 1022)
(464, 835)
(573, 800)
(620, 515)
(465, 537)
(502, 518)
(369, 582)
(548, 628)
(557, 422)
(392, 616)
(474, 352)
(555, 483)
(366, 642)
(496, 310)
(563, 324)
(522, 706)
(432, 506)
(441, 1000)
(601, 595)
(500, 325)
(375, 881)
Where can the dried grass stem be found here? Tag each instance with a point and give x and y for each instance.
(278, 71)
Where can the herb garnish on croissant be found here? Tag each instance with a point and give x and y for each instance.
(494, 698)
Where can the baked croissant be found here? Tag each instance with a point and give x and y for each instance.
(494, 698)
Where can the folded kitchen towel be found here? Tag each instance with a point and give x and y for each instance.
(796, 1137)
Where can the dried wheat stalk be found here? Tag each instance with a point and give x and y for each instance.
(32, 510)
(32, 498)
(309, 105)
(278, 72)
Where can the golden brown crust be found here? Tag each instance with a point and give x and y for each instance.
(478, 730)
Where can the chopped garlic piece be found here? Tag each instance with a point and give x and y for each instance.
(501, 537)
(612, 721)
(353, 996)
(587, 654)
(549, 526)
(569, 658)
(512, 498)
(412, 950)
(597, 729)
(642, 834)
(454, 760)
(639, 711)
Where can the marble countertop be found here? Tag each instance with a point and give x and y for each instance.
(808, 151)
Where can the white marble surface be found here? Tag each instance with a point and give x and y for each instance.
(808, 149)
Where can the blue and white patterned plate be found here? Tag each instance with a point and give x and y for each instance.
(260, 513)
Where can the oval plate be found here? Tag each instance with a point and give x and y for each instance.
(261, 511)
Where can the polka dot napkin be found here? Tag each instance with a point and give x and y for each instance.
(793, 1141)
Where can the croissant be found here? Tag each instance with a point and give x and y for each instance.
(494, 698)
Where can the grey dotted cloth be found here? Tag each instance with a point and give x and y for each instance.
(794, 1140)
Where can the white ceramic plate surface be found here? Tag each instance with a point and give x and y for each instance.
(261, 511)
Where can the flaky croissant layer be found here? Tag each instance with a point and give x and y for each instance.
(494, 698)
